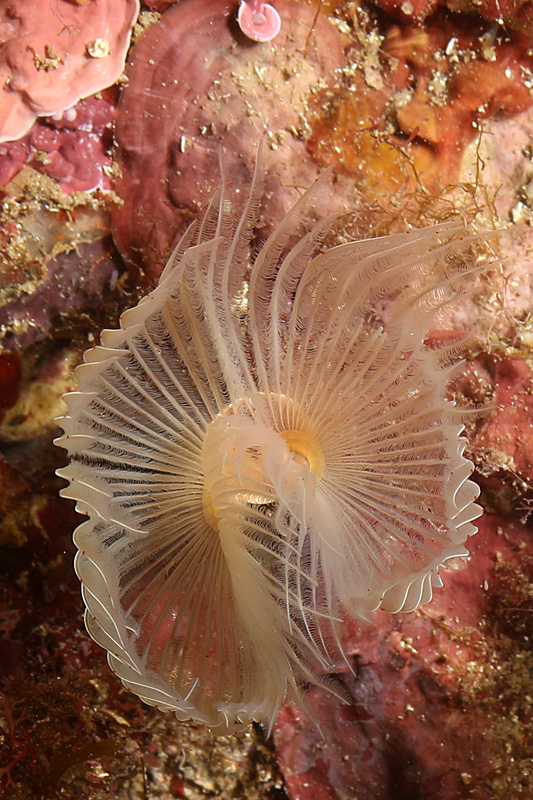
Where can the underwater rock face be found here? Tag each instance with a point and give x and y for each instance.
(508, 433)
(68, 727)
(504, 440)
(69, 280)
(195, 83)
(439, 700)
(516, 13)
(55, 257)
(264, 447)
(439, 84)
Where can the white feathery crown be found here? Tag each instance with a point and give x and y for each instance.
(264, 447)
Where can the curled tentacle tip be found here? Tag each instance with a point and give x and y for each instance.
(258, 21)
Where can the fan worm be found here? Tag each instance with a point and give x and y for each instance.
(264, 447)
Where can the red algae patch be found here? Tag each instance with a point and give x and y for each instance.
(73, 147)
(53, 56)
(195, 83)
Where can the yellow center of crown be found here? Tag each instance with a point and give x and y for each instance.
(235, 447)
(304, 445)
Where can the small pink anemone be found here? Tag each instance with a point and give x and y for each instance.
(258, 21)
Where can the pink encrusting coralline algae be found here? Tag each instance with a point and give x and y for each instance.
(182, 74)
(53, 54)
